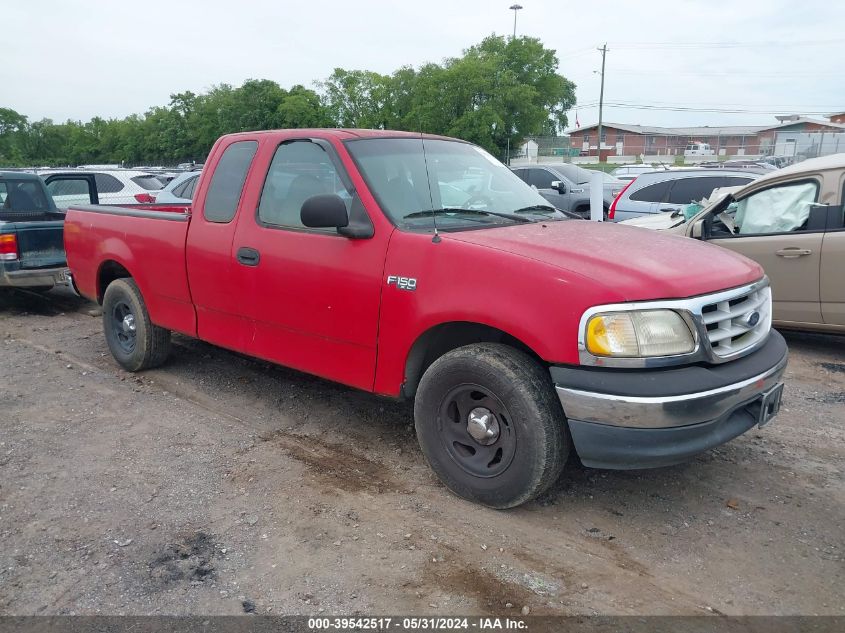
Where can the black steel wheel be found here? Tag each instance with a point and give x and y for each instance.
(125, 329)
(490, 424)
(476, 430)
(134, 341)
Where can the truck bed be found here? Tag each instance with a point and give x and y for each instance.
(149, 240)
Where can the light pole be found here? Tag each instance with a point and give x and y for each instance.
(603, 51)
(515, 8)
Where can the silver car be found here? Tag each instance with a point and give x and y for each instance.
(669, 191)
(567, 186)
(180, 190)
(629, 172)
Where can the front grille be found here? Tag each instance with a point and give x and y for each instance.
(731, 323)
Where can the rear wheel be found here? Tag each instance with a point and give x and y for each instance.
(490, 425)
(133, 340)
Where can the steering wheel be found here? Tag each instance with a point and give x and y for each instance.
(477, 200)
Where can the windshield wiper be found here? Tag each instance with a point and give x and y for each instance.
(447, 210)
(536, 207)
(550, 209)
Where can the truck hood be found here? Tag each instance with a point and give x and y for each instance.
(636, 263)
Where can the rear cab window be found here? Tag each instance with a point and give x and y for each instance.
(227, 181)
(22, 195)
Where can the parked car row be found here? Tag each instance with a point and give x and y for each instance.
(123, 186)
(114, 186)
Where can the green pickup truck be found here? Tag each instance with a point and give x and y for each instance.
(32, 252)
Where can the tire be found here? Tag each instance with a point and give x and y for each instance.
(135, 342)
(527, 441)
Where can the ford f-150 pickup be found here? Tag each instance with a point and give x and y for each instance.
(418, 266)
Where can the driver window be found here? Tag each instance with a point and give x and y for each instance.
(776, 210)
(300, 170)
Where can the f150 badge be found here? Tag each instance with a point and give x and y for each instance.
(403, 283)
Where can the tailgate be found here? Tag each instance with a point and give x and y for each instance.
(40, 243)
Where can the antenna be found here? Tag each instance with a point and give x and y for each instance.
(436, 238)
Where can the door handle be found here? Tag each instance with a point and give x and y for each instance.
(248, 256)
(669, 209)
(791, 252)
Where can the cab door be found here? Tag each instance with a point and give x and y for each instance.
(542, 179)
(782, 229)
(220, 204)
(67, 188)
(312, 294)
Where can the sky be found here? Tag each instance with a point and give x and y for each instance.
(734, 62)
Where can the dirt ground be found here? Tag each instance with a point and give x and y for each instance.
(219, 484)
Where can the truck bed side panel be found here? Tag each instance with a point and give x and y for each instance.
(149, 245)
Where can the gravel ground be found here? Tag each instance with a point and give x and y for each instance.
(222, 485)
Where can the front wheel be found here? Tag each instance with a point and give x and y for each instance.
(134, 341)
(490, 425)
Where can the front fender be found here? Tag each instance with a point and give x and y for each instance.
(536, 303)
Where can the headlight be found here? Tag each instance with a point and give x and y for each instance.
(639, 333)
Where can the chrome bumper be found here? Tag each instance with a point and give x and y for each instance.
(666, 411)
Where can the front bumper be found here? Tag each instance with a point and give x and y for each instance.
(642, 419)
(35, 278)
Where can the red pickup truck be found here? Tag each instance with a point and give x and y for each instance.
(420, 267)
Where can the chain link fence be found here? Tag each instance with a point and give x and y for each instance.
(625, 148)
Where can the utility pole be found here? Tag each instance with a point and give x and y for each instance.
(603, 51)
(515, 8)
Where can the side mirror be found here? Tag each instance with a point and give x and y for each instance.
(558, 186)
(324, 211)
(697, 229)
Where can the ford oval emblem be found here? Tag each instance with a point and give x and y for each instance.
(752, 318)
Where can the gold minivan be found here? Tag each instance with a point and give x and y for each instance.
(791, 222)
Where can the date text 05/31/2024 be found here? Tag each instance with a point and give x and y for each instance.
(417, 623)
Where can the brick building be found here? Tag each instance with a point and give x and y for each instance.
(731, 140)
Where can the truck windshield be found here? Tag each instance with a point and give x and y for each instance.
(458, 183)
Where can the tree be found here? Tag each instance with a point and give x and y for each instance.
(356, 98)
(13, 126)
(302, 108)
(495, 94)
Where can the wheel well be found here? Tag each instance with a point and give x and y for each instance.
(445, 337)
(109, 271)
